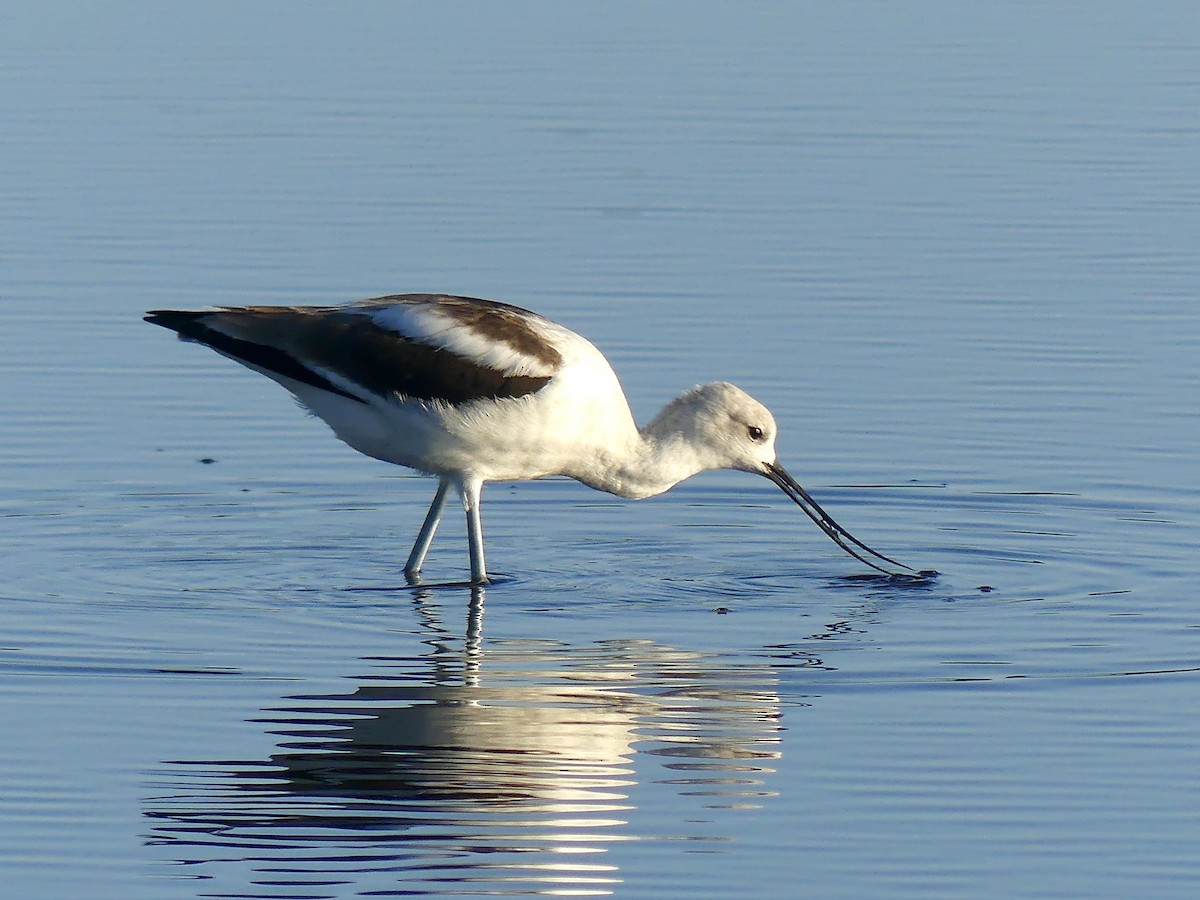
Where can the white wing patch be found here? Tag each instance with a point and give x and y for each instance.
(426, 324)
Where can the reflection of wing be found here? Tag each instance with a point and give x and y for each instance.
(470, 744)
(448, 781)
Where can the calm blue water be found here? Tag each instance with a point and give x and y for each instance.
(953, 248)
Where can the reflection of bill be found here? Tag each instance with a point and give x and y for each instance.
(509, 782)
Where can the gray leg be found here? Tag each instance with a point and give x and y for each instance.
(416, 559)
(470, 497)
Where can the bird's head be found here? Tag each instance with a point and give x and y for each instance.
(725, 426)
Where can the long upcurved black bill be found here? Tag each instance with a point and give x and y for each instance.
(825, 522)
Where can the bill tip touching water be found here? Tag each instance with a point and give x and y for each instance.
(472, 391)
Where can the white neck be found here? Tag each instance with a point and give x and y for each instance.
(652, 460)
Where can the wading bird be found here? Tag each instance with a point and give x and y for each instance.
(472, 391)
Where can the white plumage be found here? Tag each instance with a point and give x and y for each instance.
(472, 391)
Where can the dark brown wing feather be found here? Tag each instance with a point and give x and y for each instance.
(190, 326)
(298, 342)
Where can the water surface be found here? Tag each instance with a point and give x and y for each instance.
(953, 249)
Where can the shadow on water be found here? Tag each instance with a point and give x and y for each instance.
(513, 769)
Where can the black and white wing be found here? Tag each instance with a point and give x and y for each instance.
(427, 347)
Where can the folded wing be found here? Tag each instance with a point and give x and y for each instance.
(414, 346)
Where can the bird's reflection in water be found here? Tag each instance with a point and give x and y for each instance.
(506, 770)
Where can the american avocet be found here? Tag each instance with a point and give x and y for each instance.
(474, 390)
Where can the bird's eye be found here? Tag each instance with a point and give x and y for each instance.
(756, 433)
